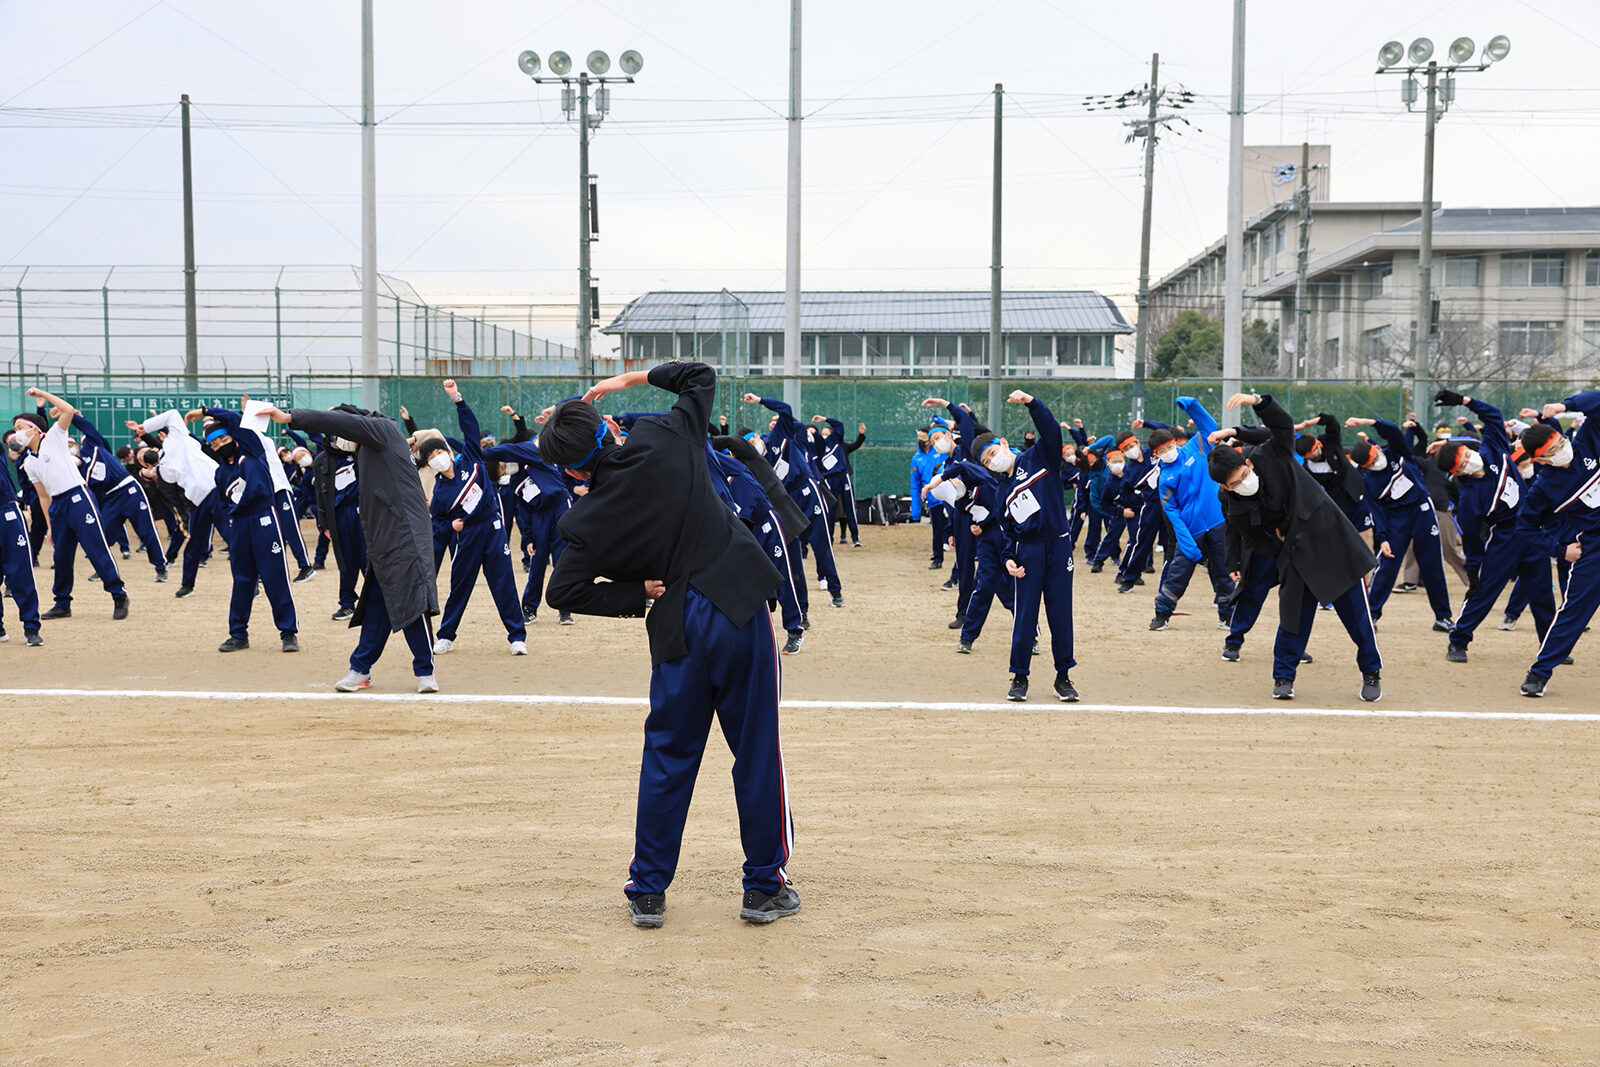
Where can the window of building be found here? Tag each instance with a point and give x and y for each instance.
(1375, 344)
(766, 350)
(850, 356)
(1027, 351)
(1461, 272)
(1529, 338)
(974, 350)
(1378, 280)
(1325, 296)
(1533, 270)
(708, 348)
(1083, 350)
(887, 353)
(945, 347)
(1591, 269)
(654, 347)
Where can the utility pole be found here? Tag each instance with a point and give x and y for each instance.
(995, 362)
(1301, 311)
(791, 273)
(191, 331)
(1233, 284)
(369, 221)
(585, 275)
(1421, 394)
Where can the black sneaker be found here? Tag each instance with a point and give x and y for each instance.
(1456, 653)
(1019, 688)
(957, 623)
(183, 591)
(290, 643)
(963, 649)
(1230, 654)
(1533, 685)
(838, 600)
(1161, 622)
(125, 554)
(1406, 587)
(306, 573)
(648, 910)
(805, 621)
(936, 564)
(791, 647)
(33, 638)
(530, 614)
(1443, 626)
(119, 608)
(564, 619)
(1139, 581)
(3, 635)
(1283, 689)
(161, 576)
(343, 613)
(1126, 587)
(1305, 657)
(855, 544)
(1371, 691)
(234, 644)
(951, 584)
(60, 611)
(1099, 565)
(1064, 690)
(761, 907)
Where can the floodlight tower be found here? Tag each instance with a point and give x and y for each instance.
(1436, 102)
(575, 96)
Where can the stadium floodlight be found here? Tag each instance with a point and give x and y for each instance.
(1391, 53)
(1419, 52)
(528, 63)
(631, 62)
(1461, 49)
(560, 64)
(598, 62)
(1498, 48)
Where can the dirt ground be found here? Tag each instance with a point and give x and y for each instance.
(214, 880)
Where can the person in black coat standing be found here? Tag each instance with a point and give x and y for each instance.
(1284, 530)
(398, 594)
(652, 528)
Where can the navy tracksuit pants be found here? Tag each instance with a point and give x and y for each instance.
(443, 537)
(1085, 521)
(1418, 529)
(818, 537)
(1143, 528)
(202, 520)
(375, 630)
(1254, 585)
(256, 554)
(797, 573)
(74, 520)
(547, 543)
(966, 559)
(1047, 576)
(16, 562)
(940, 518)
(989, 581)
(1356, 615)
(844, 490)
(1178, 569)
(732, 672)
(1577, 608)
(1110, 539)
(1506, 557)
(482, 546)
(289, 526)
(774, 540)
(353, 550)
(127, 503)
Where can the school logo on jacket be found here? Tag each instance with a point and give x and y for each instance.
(277, 549)
(1590, 462)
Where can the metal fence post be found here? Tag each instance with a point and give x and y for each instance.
(22, 363)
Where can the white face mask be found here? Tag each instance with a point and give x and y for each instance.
(1069, 457)
(760, 445)
(344, 444)
(1562, 456)
(439, 462)
(1526, 470)
(943, 445)
(1471, 463)
(1132, 452)
(999, 460)
(1379, 462)
(1249, 485)
(1117, 468)
(304, 461)
(1169, 456)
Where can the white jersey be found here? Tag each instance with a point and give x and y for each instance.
(252, 421)
(53, 466)
(182, 459)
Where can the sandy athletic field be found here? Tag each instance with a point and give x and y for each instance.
(368, 881)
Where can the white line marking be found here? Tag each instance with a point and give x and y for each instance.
(1285, 710)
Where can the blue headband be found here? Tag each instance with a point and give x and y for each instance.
(216, 432)
(599, 439)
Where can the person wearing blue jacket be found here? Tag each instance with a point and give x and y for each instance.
(789, 452)
(925, 465)
(1403, 517)
(1489, 494)
(540, 495)
(1562, 508)
(1033, 516)
(16, 563)
(480, 541)
(256, 549)
(1189, 497)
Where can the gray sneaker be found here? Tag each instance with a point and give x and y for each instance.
(427, 684)
(761, 907)
(353, 681)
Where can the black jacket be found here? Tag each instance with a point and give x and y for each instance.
(394, 513)
(1342, 480)
(790, 517)
(652, 513)
(1319, 549)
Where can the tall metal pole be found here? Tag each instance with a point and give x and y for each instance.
(995, 363)
(1420, 398)
(1302, 312)
(105, 323)
(369, 221)
(22, 362)
(791, 273)
(191, 329)
(1141, 340)
(585, 316)
(1233, 285)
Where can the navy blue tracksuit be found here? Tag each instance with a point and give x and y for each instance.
(789, 453)
(483, 542)
(256, 550)
(750, 503)
(1034, 518)
(74, 519)
(981, 507)
(16, 556)
(541, 497)
(345, 524)
(833, 462)
(1139, 494)
(1403, 516)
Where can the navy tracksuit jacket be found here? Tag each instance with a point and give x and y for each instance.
(483, 542)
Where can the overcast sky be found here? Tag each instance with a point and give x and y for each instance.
(477, 172)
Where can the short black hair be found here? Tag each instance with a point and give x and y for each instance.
(1305, 443)
(1447, 455)
(150, 457)
(745, 431)
(1361, 452)
(1159, 437)
(1536, 437)
(981, 442)
(1224, 460)
(428, 446)
(1122, 438)
(568, 435)
(124, 452)
(30, 416)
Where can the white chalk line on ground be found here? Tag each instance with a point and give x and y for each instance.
(1282, 710)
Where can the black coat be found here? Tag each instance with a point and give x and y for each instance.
(1343, 479)
(1320, 550)
(652, 512)
(394, 513)
(790, 517)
